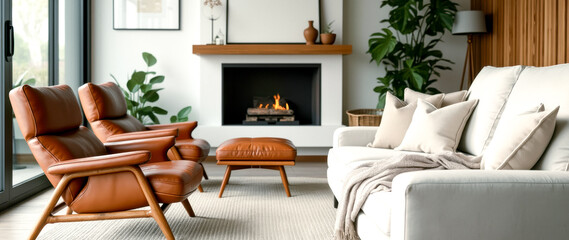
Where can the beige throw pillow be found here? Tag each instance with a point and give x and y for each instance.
(519, 142)
(436, 130)
(396, 118)
(448, 98)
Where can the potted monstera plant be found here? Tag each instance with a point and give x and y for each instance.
(141, 93)
(407, 46)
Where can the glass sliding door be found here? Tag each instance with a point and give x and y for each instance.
(50, 46)
(5, 73)
(30, 65)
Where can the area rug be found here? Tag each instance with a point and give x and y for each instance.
(251, 208)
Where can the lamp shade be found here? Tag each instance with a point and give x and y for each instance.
(468, 22)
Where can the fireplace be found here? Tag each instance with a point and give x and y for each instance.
(296, 85)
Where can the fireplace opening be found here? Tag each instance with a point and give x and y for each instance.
(251, 91)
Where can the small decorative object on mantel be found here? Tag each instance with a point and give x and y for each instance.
(310, 33)
(219, 38)
(364, 117)
(327, 36)
(212, 9)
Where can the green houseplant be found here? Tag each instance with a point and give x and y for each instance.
(407, 46)
(140, 92)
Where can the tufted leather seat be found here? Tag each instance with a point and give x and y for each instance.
(269, 153)
(96, 180)
(106, 110)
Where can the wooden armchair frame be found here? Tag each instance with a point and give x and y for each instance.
(156, 211)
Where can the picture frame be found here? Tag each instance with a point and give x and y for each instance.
(146, 14)
(270, 21)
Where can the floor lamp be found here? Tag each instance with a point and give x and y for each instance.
(468, 23)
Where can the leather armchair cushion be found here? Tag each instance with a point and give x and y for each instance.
(173, 181)
(36, 115)
(193, 149)
(184, 128)
(143, 134)
(156, 146)
(102, 101)
(108, 127)
(100, 162)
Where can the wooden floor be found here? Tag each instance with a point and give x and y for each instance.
(18, 221)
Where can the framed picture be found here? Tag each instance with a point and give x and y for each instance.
(146, 14)
(270, 21)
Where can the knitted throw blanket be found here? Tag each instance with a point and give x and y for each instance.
(378, 175)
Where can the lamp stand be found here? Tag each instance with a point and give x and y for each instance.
(468, 60)
(212, 40)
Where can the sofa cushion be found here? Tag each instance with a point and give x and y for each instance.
(491, 87)
(378, 208)
(448, 98)
(396, 118)
(367, 228)
(520, 140)
(340, 157)
(434, 130)
(547, 85)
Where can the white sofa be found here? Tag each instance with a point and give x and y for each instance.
(472, 204)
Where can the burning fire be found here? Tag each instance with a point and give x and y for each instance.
(276, 105)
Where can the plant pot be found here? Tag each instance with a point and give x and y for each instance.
(327, 38)
(310, 33)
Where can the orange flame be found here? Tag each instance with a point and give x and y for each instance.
(277, 104)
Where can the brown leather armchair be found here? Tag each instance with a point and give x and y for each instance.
(98, 181)
(105, 108)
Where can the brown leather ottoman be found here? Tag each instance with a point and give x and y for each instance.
(269, 153)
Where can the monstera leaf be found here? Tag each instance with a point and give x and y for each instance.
(407, 47)
(140, 91)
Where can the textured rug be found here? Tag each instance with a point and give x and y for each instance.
(251, 208)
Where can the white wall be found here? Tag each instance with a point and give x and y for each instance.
(119, 52)
(361, 19)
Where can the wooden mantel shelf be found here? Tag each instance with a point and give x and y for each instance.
(270, 49)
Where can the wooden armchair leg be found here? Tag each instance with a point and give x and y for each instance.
(204, 173)
(188, 208)
(50, 206)
(69, 211)
(156, 211)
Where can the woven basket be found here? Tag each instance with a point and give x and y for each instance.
(364, 117)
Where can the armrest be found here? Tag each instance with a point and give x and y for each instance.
(99, 162)
(158, 147)
(185, 129)
(143, 134)
(353, 136)
(478, 204)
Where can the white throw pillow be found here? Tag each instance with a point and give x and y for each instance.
(396, 118)
(448, 98)
(519, 142)
(491, 87)
(436, 130)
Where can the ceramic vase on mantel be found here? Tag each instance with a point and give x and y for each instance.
(310, 33)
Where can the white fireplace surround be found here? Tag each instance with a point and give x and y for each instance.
(308, 136)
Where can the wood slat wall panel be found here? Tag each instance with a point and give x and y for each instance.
(527, 32)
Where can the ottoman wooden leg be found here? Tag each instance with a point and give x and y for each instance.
(200, 188)
(225, 180)
(285, 180)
